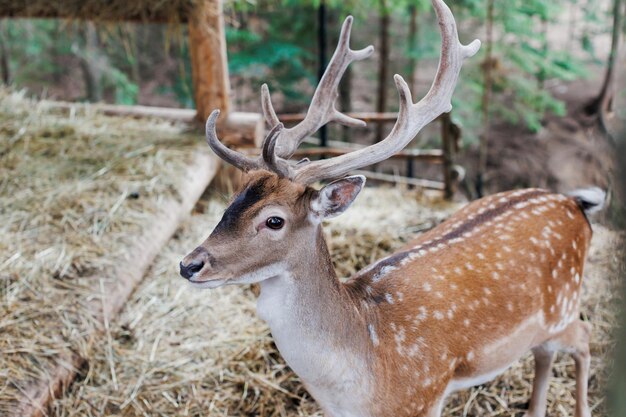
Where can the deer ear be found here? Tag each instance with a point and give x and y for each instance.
(336, 197)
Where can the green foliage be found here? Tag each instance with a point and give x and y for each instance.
(278, 53)
(524, 60)
(275, 41)
(41, 50)
(125, 90)
(28, 42)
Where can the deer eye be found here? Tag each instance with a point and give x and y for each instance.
(275, 223)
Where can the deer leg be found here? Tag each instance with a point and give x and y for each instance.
(539, 396)
(575, 340)
(582, 358)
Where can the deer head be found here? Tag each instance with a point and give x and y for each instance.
(259, 232)
(277, 211)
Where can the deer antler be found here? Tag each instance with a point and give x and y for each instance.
(280, 144)
(234, 158)
(411, 117)
(267, 160)
(322, 109)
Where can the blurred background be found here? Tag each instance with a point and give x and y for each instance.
(102, 159)
(545, 70)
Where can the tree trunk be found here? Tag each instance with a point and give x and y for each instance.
(412, 70)
(488, 81)
(412, 42)
(446, 145)
(135, 69)
(604, 99)
(209, 65)
(541, 75)
(383, 66)
(572, 26)
(4, 57)
(322, 59)
(90, 65)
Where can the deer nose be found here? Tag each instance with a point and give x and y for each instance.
(188, 271)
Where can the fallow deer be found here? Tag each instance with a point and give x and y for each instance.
(451, 310)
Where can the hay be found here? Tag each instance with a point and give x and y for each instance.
(76, 192)
(186, 352)
(173, 11)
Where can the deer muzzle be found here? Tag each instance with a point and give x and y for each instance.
(195, 262)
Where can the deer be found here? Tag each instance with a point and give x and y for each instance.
(452, 309)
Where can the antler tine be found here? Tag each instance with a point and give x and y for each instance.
(322, 109)
(272, 161)
(232, 157)
(411, 117)
(268, 110)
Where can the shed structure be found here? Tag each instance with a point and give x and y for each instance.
(207, 45)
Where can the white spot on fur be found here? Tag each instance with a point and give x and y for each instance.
(422, 314)
(373, 334)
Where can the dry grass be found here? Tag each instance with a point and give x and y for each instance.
(187, 352)
(167, 11)
(75, 190)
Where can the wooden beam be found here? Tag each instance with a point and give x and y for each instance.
(240, 129)
(209, 65)
(434, 156)
(166, 113)
(168, 14)
(397, 179)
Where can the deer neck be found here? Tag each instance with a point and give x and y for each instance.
(313, 319)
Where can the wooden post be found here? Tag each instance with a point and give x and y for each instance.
(446, 140)
(207, 45)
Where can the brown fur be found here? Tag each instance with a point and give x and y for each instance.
(455, 303)
(466, 308)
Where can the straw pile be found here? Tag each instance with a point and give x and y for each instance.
(111, 10)
(187, 352)
(76, 192)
